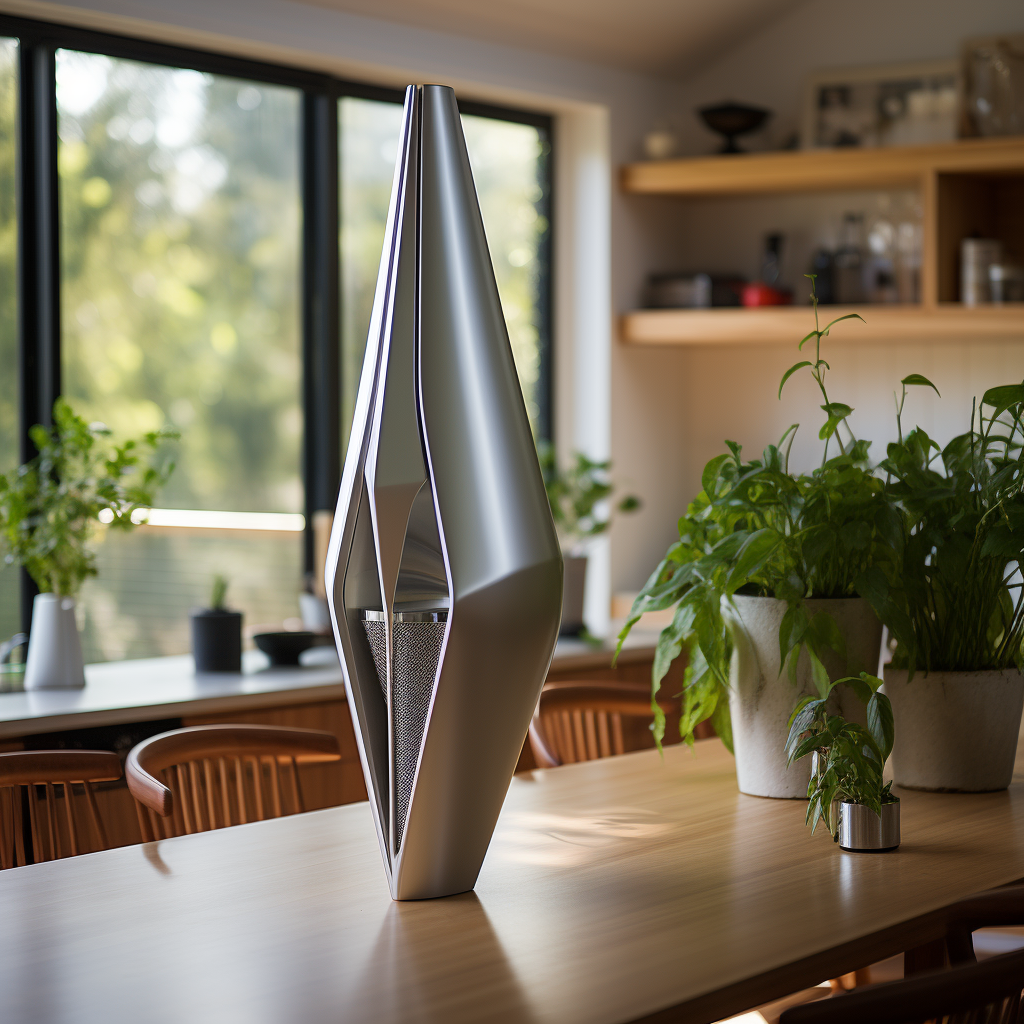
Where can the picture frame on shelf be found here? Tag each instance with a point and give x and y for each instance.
(914, 103)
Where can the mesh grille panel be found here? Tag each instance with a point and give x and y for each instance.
(417, 652)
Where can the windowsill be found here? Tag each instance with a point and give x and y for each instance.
(117, 692)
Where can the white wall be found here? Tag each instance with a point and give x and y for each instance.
(769, 69)
(673, 409)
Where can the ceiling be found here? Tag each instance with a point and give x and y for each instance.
(658, 37)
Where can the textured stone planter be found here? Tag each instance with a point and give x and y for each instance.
(955, 731)
(760, 700)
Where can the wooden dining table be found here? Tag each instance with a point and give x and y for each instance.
(636, 888)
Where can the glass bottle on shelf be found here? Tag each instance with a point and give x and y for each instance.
(849, 261)
(880, 286)
(908, 261)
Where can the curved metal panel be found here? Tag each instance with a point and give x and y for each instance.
(449, 480)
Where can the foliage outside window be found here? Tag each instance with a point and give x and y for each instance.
(9, 595)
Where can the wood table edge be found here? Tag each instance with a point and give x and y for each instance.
(750, 993)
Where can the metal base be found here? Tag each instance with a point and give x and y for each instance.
(863, 831)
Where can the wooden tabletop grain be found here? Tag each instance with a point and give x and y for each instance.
(628, 889)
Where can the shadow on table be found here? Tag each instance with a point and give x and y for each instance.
(435, 958)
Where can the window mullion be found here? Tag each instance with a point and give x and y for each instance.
(38, 253)
(320, 310)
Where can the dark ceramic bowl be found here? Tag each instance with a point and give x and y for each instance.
(284, 648)
(732, 119)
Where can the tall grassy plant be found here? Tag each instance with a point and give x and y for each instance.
(757, 528)
(50, 507)
(959, 604)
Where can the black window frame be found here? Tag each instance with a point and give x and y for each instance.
(38, 236)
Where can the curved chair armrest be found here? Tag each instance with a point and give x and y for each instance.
(34, 767)
(180, 746)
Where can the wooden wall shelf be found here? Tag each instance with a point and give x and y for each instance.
(969, 188)
(822, 170)
(775, 325)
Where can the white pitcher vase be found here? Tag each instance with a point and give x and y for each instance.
(54, 647)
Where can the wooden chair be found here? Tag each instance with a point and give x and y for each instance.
(998, 908)
(214, 776)
(583, 721)
(988, 992)
(22, 775)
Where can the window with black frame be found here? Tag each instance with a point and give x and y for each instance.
(9, 580)
(510, 156)
(186, 296)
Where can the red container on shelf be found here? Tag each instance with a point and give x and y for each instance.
(758, 294)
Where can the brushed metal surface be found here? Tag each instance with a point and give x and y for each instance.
(861, 830)
(442, 508)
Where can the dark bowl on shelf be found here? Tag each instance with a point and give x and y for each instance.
(733, 119)
(284, 648)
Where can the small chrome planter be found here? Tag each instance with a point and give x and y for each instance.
(863, 831)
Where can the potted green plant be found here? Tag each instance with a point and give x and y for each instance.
(770, 578)
(578, 497)
(217, 633)
(52, 507)
(846, 790)
(957, 616)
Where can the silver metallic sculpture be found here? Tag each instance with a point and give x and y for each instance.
(443, 574)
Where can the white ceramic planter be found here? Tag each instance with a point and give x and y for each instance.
(760, 699)
(54, 648)
(955, 731)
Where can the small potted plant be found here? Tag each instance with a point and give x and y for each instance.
(846, 790)
(577, 497)
(957, 616)
(51, 509)
(217, 633)
(776, 574)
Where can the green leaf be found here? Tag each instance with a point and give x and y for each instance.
(837, 409)
(829, 427)
(1001, 398)
(791, 631)
(819, 674)
(711, 472)
(920, 381)
(801, 704)
(823, 631)
(789, 373)
(846, 316)
(880, 724)
(756, 550)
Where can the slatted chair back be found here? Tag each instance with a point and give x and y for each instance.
(212, 776)
(60, 822)
(976, 993)
(583, 721)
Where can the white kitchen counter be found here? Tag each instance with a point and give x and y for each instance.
(148, 689)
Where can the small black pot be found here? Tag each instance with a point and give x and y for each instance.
(217, 640)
